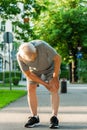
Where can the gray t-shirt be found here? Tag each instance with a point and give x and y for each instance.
(44, 60)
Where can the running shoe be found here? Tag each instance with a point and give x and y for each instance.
(32, 122)
(54, 123)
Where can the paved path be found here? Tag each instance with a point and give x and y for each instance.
(72, 110)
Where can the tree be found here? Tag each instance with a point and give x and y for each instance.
(21, 13)
(65, 27)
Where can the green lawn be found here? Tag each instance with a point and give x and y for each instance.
(8, 96)
(7, 85)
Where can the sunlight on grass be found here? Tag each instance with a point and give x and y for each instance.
(7, 96)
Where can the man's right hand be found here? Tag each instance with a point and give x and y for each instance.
(52, 87)
(47, 86)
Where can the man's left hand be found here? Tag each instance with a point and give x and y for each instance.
(54, 84)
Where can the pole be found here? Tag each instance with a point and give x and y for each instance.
(78, 69)
(9, 62)
(10, 68)
(4, 66)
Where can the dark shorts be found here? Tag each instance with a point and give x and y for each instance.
(46, 75)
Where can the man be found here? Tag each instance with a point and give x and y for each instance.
(36, 58)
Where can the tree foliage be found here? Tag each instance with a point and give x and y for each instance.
(9, 9)
(61, 23)
(64, 27)
(12, 10)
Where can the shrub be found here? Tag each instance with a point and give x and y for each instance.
(83, 77)
(64, 74)
(13, 74)
(15, 80)
(6, 80)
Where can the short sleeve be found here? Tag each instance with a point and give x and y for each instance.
(22, 65)
(51, 52)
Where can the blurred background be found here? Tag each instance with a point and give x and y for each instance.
(63, 24)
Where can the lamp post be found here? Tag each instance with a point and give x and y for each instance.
(79, 56)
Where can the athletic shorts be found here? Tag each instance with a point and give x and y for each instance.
(46, 75)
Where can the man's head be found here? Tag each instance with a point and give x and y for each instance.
(27, 51)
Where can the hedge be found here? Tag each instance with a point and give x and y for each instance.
(13, 74)
(64, 74)
(83, 77)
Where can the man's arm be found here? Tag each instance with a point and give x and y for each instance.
(57, 63)
(35, 78)
(54, 83)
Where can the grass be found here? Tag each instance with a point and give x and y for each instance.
(7, 85)
(8, 96)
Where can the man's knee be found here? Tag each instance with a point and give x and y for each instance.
(54, 92)
(31, 88)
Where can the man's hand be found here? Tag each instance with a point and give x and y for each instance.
(47, 86)
(54, 85)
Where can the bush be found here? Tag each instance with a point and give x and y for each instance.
(64, 71)
(15, 80)
(6, 80)
(64, 74)
(83, 77)
(13, 74)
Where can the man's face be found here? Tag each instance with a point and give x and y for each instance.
(29, 56)
(26, 54)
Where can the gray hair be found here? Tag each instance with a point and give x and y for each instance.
(26, 47)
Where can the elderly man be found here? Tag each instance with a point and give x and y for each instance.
(35, 59)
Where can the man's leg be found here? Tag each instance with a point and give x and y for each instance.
(54, 122)
(55, 103)
(32, 101)
(32, 98)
